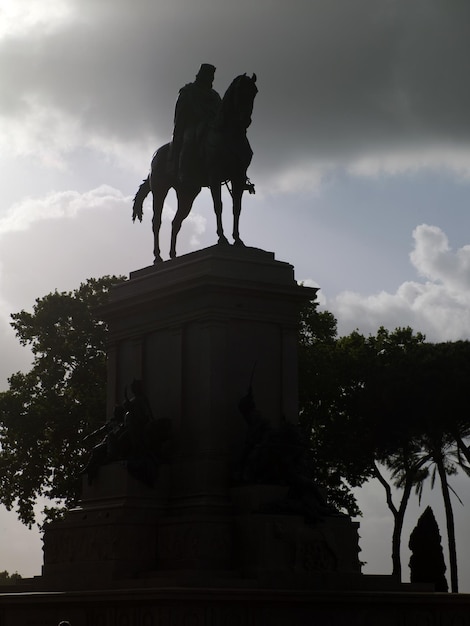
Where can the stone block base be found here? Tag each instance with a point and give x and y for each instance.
(234, 607)
(197, 542)
(112, 535)
(282, 551)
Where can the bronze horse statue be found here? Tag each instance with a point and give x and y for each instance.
(225, 157)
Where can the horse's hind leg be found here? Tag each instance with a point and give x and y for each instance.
(186, 196)
(159, 194)
(216, 192)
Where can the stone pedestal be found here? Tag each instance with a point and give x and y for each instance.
(283, 551)
(110, 535)
(198, 331)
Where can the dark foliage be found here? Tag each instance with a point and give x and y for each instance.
(427, 560)
(46, 412)
(9, 579)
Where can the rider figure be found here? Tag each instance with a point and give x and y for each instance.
(196, 107)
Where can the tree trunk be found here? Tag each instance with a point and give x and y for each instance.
(398, 517)
(411, 473)
(398, 526)
(450, 524)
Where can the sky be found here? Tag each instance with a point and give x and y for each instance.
(361, 163)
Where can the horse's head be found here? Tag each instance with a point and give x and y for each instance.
(238, 101)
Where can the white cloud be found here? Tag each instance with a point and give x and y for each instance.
(300, 177)
(43, 130)
(50, 135)
(434, 259)
(411, 160)
(438, 307)
(66, 204)
(23, 17)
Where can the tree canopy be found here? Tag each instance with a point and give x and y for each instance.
(325, 381)
(9, 579)
(46, 412)
(390, 401)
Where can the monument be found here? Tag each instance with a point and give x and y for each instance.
(211, 338)
(195, 508)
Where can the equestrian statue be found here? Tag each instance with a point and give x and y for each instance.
(209, 148)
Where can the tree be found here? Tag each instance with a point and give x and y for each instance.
(444, 423)
(416, 393)
(327, 384)
(46, 412)
(9, 579)
(389, 405)
(406, 472)
(427, 560)
(389, 401)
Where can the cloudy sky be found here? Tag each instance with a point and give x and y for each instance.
(361, 162)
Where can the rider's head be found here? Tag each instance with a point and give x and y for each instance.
(205, 76)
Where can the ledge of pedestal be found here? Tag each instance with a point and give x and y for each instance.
(224, 272)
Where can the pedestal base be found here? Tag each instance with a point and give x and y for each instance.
(198, 332)
(235, 607)
(110, 536)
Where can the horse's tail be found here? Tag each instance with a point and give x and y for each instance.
(142, 193)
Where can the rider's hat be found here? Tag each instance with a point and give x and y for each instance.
(206, 71)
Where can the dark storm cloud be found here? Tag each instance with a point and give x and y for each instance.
(337, 79)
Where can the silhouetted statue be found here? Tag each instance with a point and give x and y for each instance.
(132, 435)
(113, 447)
(196, 107)
(280, 456)
(209, 148)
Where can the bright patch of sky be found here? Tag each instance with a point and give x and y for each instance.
(21, 18)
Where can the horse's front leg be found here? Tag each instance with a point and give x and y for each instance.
(216, 191)
(237, 193)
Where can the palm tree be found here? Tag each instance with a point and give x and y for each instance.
(407, 470)
(442, 389)
(439, 449)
